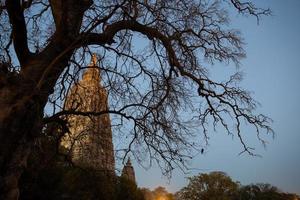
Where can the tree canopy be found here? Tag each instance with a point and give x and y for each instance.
(212, 186)
(219, 186)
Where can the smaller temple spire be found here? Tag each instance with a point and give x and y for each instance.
(128, 162)
(128, 171)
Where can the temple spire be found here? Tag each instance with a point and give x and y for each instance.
(90, 139)
(128, 171)
(94, 60)
(128, 162)
(93, 72)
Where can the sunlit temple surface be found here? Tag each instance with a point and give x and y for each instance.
(90, 139)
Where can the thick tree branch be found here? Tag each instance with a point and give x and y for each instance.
(68, 14)
(107, 36)
(19, 31)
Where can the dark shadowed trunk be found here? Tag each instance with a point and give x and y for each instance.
(23, 95)
(20, 123)
(22, 102)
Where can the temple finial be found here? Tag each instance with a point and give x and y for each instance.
(94, 60)
(93, 71)
(128, 162)
(128, 171)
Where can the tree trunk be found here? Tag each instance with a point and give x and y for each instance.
(13, 171)
(21, 113)
(24, 95)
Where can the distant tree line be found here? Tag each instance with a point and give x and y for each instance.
(52, 176)
(219, 186)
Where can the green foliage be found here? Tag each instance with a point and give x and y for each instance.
(219, 186)
(216, 185)
(263, 192)
(128, 190)
(61, 182)
(51, 177)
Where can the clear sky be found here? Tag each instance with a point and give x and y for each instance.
(272, 72)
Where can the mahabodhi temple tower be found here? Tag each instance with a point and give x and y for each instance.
(90, 139)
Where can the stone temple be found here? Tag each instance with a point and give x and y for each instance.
(89, 142)
(90, 139)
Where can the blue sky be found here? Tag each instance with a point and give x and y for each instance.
(272, 72)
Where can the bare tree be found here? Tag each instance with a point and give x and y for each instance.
(161, 89)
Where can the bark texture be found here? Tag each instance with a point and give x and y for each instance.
(24, 94)
(20, 120)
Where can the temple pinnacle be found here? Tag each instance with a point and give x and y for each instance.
(93, 72)
(94, 60)
(128, 162)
